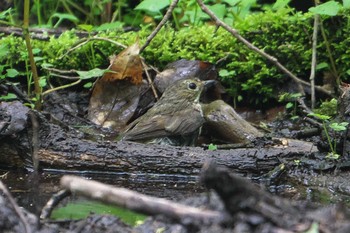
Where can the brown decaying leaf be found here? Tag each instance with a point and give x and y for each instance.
(126, 64)
(114, 98)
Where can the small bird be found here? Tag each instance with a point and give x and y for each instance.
(175, 119)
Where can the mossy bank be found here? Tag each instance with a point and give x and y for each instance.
(249, 78)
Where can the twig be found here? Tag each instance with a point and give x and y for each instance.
(37, 88)
(302, 104)
(40, 33)
(87, 40)
(60, 71)
(53, 202)
(272, 59)
(136, 201)
(61, 87)
(149, 80)
(314, 60)
(160, 25)
(27, 228)
(64, 76)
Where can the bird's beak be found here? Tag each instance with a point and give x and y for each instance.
(209, 83)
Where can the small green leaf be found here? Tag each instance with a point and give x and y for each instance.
(46, 65)
(88, 85)
(36, 50)
(225, 73)
(38, 59)
(297, 162)
(218, 9)
(212, 147)
(319, 116)
(289, 105)
(3, 50)
(109, 26)
(332, 155)
(339, 126)
(84, 208)
(9, 96)
(153, 6)
(330, 8)
(11, 73)
(62, 16)
(293, 118)
(322, 65)
(91, 73)
(346, 3)
(280, 4)
(86, 27)
(3, 14)
(42, 82)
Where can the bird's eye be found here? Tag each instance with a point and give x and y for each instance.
(192, 86)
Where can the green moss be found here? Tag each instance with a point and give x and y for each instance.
(283, 34)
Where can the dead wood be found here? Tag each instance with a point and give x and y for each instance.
(138, 202)
(246, 201)
(68, 149)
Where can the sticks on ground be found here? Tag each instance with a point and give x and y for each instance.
(138, 202)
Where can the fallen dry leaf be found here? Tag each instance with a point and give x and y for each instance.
(126, 64)
(115, 96)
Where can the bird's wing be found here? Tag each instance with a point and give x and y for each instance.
(185, 123)
(145, 129)
(181, 123)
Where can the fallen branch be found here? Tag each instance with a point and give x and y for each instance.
(138, 202)
(53, 202)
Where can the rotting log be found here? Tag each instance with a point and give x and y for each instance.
(68, 150)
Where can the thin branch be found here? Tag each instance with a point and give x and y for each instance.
(272, 59)
(61, 87)
(314, 60)
(27, 228)
(160, 25)
(65, 77)
(84, 41)
(60, 71)
(149, 80)
(53, 202)
(136, 201)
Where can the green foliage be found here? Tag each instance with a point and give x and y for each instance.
(83, 209)
(279, 31)
(152, 6)
(291, 99)
(337, 127)
(330, 8)
(328, 108)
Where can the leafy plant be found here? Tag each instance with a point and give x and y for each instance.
(291, 99)
(337, 127)
(328, 108)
